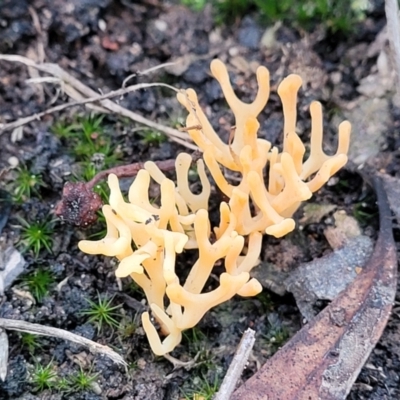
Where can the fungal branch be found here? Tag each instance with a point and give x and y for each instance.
(147, 238)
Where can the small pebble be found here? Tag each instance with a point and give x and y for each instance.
(233, 51)
(336, 77)
(13, 161)
(162, 26)
(141, 364)
(102, 25)
(215, 36)
(136, 49)
(96, 388)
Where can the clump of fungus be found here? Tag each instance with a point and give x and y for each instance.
(146, 238)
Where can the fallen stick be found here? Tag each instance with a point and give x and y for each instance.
(393, 26)
(115, 93)
(37, 329)
(4, 347)
(237, 366)
(324, 358)
(86, 96)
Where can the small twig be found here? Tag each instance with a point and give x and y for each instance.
(237, 365)
(194, 112)
(188, 128)
(37, 329)
(232, 132)
(80, 90)
(3, 354)
(146, 71)
(188, 365)
(94, 99)
(392, 17)
(127, 171)
(39, 33)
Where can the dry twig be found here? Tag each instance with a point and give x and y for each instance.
(3, 354)
(37, 329)
(237, 365)
(392, 17)
(324, 358)
(145, 72)
(77, 90)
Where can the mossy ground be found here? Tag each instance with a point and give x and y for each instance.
(102, 43)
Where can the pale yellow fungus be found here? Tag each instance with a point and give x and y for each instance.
(146, 237)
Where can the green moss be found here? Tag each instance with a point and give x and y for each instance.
(337, 15)
(277, 333)
(43, 378)
(36, 236)
(202, 388)
(196, 5)
(195, 338)
(30, 342)
(152, 137)
(99, 230)
(364, 212)
(82, 380)
(102, 313)
(89, 143)
(38, 284)
(63, 385)
(26, 184)
(127, 327)
(46, 378)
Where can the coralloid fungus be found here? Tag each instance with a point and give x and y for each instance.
(147, 238)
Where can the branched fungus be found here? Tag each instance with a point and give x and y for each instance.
(146, 238)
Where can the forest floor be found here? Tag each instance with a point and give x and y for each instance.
(101, 43)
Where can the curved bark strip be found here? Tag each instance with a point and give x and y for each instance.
(324, 358)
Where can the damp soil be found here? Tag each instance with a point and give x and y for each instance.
(101, 43)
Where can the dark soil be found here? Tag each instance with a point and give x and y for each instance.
(101, 43)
